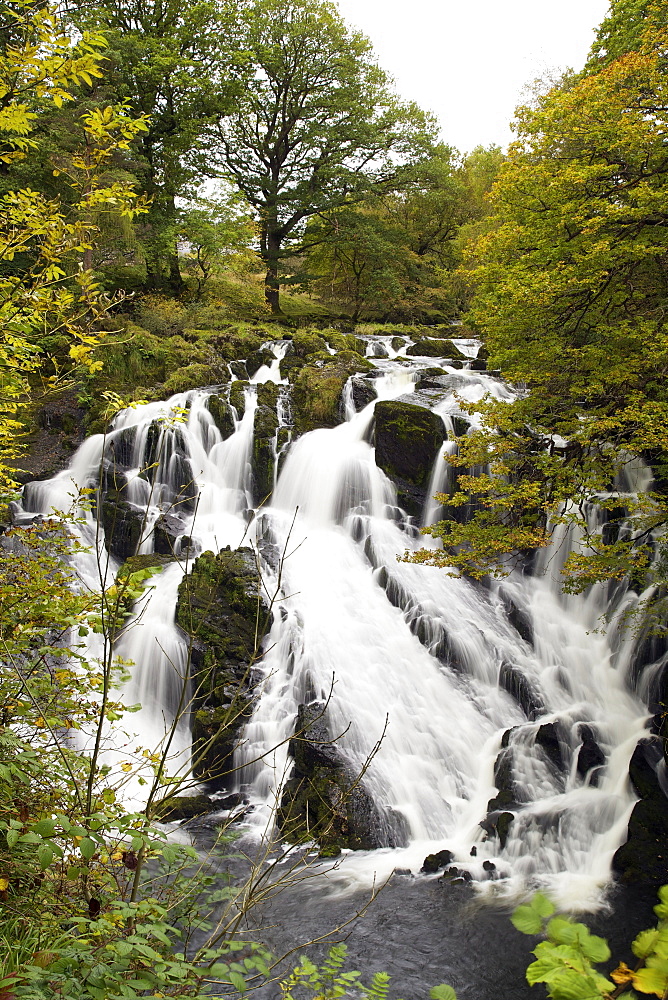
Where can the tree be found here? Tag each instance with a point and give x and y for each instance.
(396, 253)
(316, 125)
(572, 296)
(50, 303)
(168, 60)
(360, 257)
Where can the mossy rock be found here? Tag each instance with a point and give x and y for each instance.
(179, 807)
(150, 561)
(434, 349)
(220, 608)
(192, 377)
(344, 341)
(317, 391)
(238, 398)
(322, 799)
(264, 432)
(408, 438)
(219, 409)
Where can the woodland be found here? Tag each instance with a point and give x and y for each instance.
(182, 182)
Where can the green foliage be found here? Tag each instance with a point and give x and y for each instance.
(49, 300)
(168, 61)
(314, 122)
(566, 961)
(329, 981)
(571, 302)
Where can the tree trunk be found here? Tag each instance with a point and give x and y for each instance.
(271, 282)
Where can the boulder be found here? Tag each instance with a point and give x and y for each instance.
(166, 530)
(552, 742)
(434, 348)
(324, 799)
(178, 807)
(407, 439)
(363, 392)
(522, 689)
(123, 525)
(590, 756)
(318, 388)
(643, 859)
(218, 607)
(264, 434)
(219, 409)
(434, 862)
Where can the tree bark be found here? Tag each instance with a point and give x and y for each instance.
(271, 282)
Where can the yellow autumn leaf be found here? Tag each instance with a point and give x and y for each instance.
(622, 974)
(4, 884)
(126, 766)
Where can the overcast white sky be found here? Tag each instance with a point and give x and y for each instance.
(469, 60)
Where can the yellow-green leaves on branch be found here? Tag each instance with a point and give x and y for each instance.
(48, 294)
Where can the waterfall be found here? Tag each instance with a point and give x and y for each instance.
(472, 691)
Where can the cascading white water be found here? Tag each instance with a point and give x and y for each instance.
(433, 664)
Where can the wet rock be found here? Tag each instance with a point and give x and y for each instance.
(548, 737)
(219, 409)
(227, 802)
(256, 360)
(643, 859)
(324, 799)
(123, 525)
(178, 807)
(590, 756)
(518, 618)
(522, 689)
(363, 392)
(237, 397)
(264, 433)
(219, 607)
(433, 862)
(497, 824)
(407, 439)
(434, 348)
(489, 866)
(318, 389)
(166, 530)
(58, 429)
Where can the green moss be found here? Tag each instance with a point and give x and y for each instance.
(237, 397)
(316, 395)
(192, 377)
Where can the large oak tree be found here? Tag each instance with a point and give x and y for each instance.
(317, 123)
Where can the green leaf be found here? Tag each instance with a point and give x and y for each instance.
(651, 980)
(526, 920)
(12, 837)
(442, 992)
(45, 827)
(45, 854)
(595, 948)
(570, 985)
(219, 970)
(645, 943)
(561, 930)
(87, 848)
(238, 982)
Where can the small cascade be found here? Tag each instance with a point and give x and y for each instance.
(272, 373)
